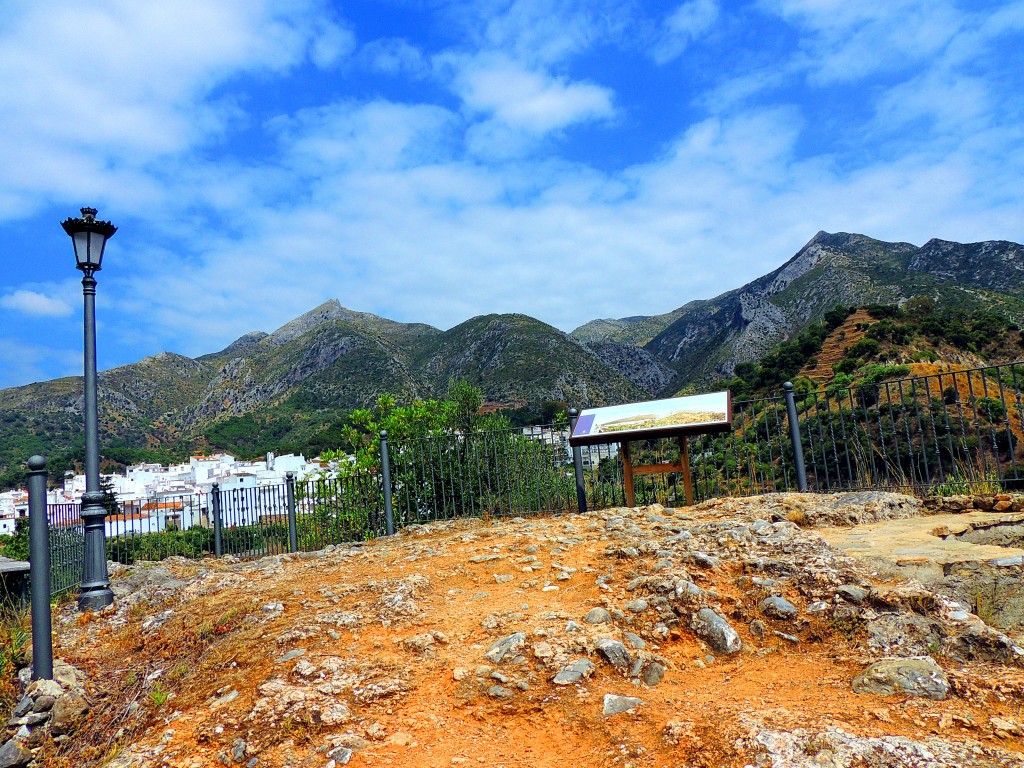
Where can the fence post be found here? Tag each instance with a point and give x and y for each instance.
(794, 437)
(218, 544)
(577, 464)
(293, 533)
(39, 573)
(385, 475)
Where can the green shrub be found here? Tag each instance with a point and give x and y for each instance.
(15, 545)
(990, 409)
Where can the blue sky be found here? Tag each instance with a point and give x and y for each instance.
(433, 161)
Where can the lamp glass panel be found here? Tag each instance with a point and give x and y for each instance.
(81, 240)
(97, 244)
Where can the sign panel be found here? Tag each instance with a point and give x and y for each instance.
(694, 414)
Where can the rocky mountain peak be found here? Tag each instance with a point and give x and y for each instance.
(329, 310)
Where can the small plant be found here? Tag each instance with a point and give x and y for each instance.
(14, 637)
(158, 694)
(179, 672)
(968, 478)
(797, 516)
(985, 605)
(138, 610)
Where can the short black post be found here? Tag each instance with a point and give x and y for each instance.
(577, 464)
(293, 533)
(385, 477)
(218, 542)
(794, 437)
(39, 556)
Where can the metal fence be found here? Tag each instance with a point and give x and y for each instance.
(247, 522)
(943, 433)
(947, 432)
(67, 541)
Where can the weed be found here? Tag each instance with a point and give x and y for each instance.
(966, 478)
(14, 636)
(179, 672)
(138, 610)
(798, 516)
(229, 620)
(158, 694)
(986, 603)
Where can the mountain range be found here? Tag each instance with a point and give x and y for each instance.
(292, 387)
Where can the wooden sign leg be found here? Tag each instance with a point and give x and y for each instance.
(627, 474)
(684, 460)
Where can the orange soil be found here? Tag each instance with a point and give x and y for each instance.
(692, 718)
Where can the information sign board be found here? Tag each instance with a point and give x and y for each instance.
(677, 416)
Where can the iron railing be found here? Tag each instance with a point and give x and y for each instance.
(942, 433)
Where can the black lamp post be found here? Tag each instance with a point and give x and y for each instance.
(90, 237)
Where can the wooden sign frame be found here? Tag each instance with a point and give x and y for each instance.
(720, 420)
(629, 470)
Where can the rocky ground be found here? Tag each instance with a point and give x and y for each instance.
(727, 634)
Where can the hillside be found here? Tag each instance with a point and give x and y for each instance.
(290, 390)
(880, 342)
(509, 356)
(719, 636)
(709, 339)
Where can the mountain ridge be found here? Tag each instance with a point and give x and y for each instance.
(297, 382)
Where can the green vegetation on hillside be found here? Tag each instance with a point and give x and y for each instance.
(785, 361)
(896, 335)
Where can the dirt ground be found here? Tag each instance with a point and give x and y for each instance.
(178, 669)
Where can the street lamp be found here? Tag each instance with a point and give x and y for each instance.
(90, 237)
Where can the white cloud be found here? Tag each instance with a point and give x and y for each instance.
(394, 56)
(532, 101)
(35, 304)
(543, 32)
(331, 43)
(22, 363)
(688, 22)
(454, 185)
(124, 84)
(378, 134)
(844, 41)
(938, 102)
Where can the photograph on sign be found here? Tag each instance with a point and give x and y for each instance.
(633, 420)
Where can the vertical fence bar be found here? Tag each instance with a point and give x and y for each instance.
(218, 541)
(293, 527)
(39, 572)
(385, 474)
(794, 437)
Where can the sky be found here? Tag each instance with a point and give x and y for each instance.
(434, 160)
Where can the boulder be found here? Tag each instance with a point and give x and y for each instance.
(715, 631)
(917, 676)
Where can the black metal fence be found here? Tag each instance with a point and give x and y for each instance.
(945, 433)
(67, 540)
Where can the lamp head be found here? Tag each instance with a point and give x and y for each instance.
(90, 237)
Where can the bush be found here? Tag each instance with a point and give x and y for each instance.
(863, 349)
(990, 409)
(15, 545)
(839, 388)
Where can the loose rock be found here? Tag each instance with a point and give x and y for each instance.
(917, 676)
(614, 704)
(715, 631)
